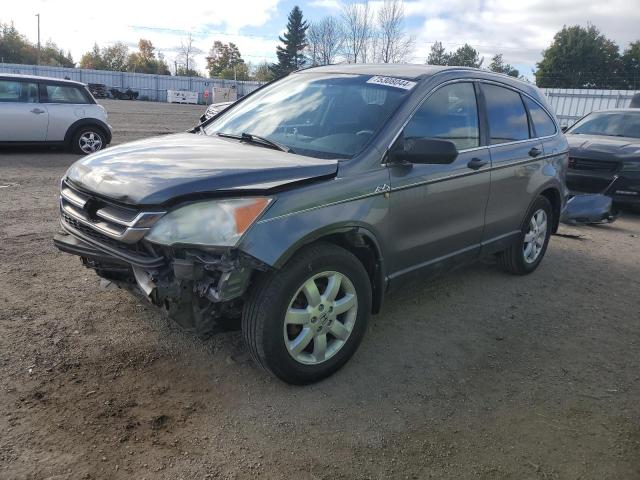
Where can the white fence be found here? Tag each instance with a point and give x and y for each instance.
(150, 87)
(572, 104)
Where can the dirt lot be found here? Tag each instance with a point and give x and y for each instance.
(475, 375)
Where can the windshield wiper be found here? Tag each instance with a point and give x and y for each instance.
(257, 139)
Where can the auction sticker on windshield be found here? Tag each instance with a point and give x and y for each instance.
(392, 82)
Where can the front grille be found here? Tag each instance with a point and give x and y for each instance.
(135, 248)
(590, 165)
(104, 219)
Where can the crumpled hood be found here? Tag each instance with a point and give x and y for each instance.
(157, 170)
(603, 147)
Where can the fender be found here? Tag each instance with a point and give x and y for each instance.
(351, 235)
(86, 122)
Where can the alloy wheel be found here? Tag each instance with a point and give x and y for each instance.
(90, 142)
(535, 236)
(320, 317)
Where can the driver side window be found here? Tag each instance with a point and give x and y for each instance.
(450, 113)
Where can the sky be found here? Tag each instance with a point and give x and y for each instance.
(519, 29)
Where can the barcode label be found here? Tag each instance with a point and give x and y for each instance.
(392, 82)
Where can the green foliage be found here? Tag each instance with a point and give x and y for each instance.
(117, 58)
(291, 55)
(183, 72)
(631, 65)
(15, 48)
(262, 73)
(580, 57)
(145, 61)
(225, 61)
(465, 56)
(497, 65)
(438, 55)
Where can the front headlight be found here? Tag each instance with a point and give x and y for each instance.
(211, 223)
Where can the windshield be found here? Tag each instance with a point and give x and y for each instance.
(613, 124)
(318, 115)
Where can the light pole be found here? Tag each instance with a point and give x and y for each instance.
(38, 15)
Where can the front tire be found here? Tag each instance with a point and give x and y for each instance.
(304, 322)
(524, 256)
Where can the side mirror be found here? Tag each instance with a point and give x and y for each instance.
(564, 129)
(423, 150)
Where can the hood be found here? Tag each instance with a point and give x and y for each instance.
(603, 147)
(157, 170)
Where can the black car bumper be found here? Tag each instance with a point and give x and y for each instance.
(626, 189)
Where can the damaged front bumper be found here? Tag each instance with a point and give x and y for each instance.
(196, 288)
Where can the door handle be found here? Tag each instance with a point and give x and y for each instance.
(38, 111)
(476, 163)
(534, 152)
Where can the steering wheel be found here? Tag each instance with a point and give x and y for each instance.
(365, 132)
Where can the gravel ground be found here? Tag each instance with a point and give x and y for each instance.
(475, 375)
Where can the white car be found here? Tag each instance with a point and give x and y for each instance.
(214, 109)
(51, 111)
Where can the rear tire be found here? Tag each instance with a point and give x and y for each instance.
(304, 322)
(524, 256)
(89, 139)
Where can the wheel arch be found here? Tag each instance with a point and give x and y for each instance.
(87, 122)
(552, 193)
(361, 242)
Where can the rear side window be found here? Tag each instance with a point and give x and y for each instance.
(507, 116)
(18, 92)
(450, 113)
(543, 125)
(65, 94)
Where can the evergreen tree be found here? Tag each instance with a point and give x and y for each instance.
(497, 65)
(438, 55)
(465, 56)
(291, 55)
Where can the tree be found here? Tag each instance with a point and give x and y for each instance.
(15, 48)
(579, 57)
(395, 45)
(497, 65)
(225, 61)
(262, 73)
(93, 59)
(116, 57)
(185, 60)
(325, 39)
(357, 22)
(438, 55)
(291, 55)
(465, 56)
(631, 65)
(145, 61)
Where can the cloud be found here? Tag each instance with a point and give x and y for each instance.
(75, 27)
(519, 30)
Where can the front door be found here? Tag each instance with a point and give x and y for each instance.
(22, 118)
(437, 211)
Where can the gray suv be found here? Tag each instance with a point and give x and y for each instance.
(301, 205)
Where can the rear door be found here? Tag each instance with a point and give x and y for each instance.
(437, 211)
(22, 117)
(66, 104)
(514, 155)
